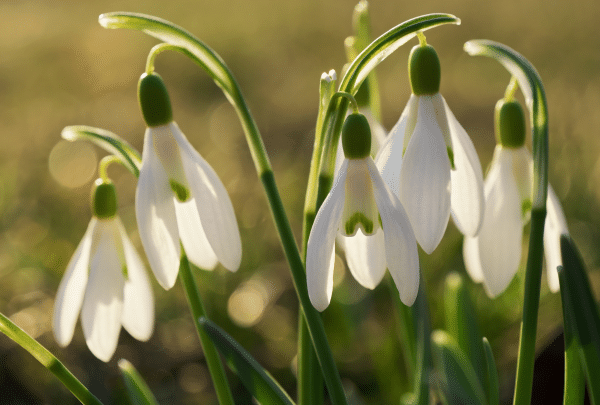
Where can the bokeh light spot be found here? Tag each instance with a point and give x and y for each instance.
(72, 164)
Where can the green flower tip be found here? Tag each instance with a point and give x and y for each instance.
(356, 137)
(510, 124)
(154, 100)
(104, 199)
(424, 70)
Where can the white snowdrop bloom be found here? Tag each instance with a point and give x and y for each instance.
(106, 281)
(494, 255)
(179, 196)
(429, 161)
(362, 208)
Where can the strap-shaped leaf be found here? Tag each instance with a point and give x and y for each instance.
(255, 378)
(108, 141)
(492, 374)
(581, 314)
(137, 390)
(459, 382)
(461, 323)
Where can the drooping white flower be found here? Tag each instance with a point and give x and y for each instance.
(429, 161)
(494, 255)
(179, 196)
(106, 281)
(361, 206)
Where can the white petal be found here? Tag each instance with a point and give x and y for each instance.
(193, 237)
(366, 257)
(425, 179)
(138, 300)
(555, 225)
(467, 201)
(72, 289)
(502, 230)
(411, 114)
(214, 206)
(155, 213)
(320, 252)
(103, 302)
(400, 244)
(389, 158)
(471, 258)
(339, 157)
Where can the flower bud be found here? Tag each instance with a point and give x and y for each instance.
(510, 124)
(356, 137)
(104, 199)
(154, 100)
(424, 70)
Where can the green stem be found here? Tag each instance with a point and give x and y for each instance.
(48, 360)
(533, 276)
(104, 163)
(531, 85)
(215, 367)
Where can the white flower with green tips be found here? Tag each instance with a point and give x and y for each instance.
(106, 281)
(377, 230)
(493, 256)
(429, 161)
(179, 196)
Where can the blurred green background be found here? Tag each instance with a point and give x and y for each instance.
(58, 67)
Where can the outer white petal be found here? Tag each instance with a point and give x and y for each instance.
(425, 179)
(366, 257)
(193, 237)
(400, 244)
(389, 158)
(214, 206)
(555, 225)
(102, 309)
(72, 289)
(320, 252)
(502, 230)
(138, 300)
(155, 213)
(467, 201)
(471, 258)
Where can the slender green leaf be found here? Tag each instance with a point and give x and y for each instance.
(138, 391)
(48, 360)
(581, 314)
(574, 392)
(461, 323)
(492, 374)
(254, 377)
(108, 141)
(459, 382)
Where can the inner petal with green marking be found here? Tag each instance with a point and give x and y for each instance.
(167, 150)
(360, 209)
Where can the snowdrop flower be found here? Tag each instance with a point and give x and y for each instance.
(429, 161)
(360, 202)
(106, 281)
(494, 255)
(179, 196)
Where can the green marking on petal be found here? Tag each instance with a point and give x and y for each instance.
(124, 271)
(526, 207)
(380, 223)
(359, 219)
(181, 191)
(451, 157)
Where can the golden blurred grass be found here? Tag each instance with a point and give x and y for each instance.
(58, 67)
